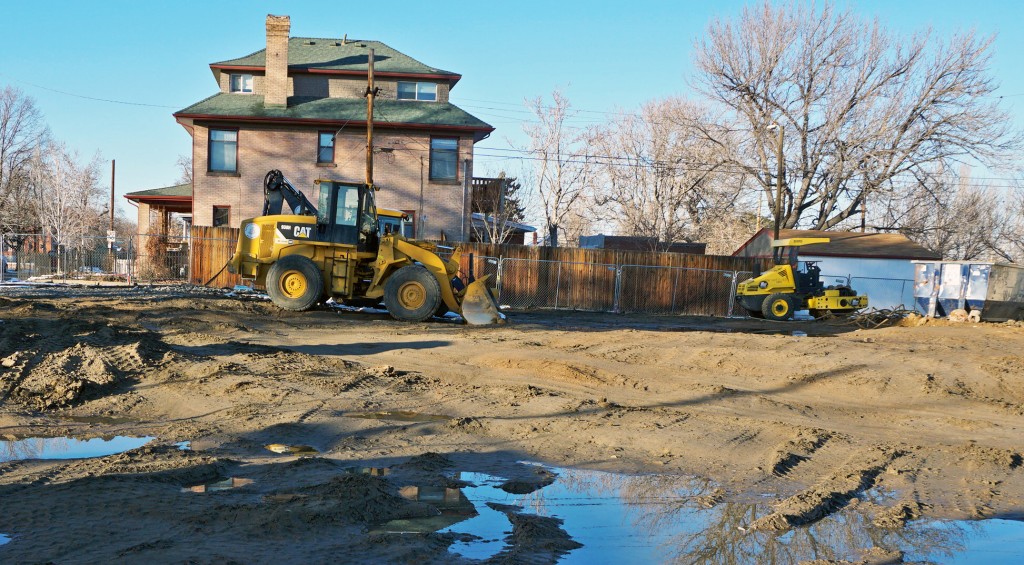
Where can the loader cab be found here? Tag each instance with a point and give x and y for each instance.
(347, 215)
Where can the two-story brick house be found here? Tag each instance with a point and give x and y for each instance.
(299, 106)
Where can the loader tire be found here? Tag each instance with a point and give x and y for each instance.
(294, 283)
(412, 294)
(778, 307)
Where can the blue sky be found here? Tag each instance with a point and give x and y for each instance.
(603, 55)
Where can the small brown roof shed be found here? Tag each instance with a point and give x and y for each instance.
(843, 244)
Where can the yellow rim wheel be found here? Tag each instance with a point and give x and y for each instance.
(412, 295)
(293, 284)
(780, 307)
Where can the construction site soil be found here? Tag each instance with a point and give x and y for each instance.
(329, 416)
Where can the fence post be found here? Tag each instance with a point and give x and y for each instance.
(3, 257)
(498, 276)
(558, 283)
(129, 262)
(732, 293)
(675, 288)
(618, 290)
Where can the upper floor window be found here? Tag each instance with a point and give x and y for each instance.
(417, 91)
(325, 147)
(241, 83)
(223, 150)
(444, 158)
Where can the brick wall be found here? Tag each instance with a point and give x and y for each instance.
(397, 170)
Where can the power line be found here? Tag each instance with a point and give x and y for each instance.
(125, 102)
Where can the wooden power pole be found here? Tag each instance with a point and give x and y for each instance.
(113, 168)
(371, 92)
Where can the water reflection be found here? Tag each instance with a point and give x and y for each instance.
(292, 449)
(665, 518)
(4, 539)
(67, 447)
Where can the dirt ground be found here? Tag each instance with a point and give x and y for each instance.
(930, 413)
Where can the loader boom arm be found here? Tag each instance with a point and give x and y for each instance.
(277, 191)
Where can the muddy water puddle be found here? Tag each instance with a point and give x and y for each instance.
(399, 416)
(225, 484)
(662, 518)
(68, 447)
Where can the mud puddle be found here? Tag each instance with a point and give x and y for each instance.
(292, 449)
(662, 518)
(225, 484)
(67, 447)
(399, 416)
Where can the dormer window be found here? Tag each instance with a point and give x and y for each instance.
(426, 91)
(241, 83)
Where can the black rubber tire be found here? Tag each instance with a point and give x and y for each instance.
(299, 274)
(412, 294)
(778, 307)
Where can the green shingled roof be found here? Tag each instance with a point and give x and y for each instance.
(337, 110)
(330, 54)
(176, 190)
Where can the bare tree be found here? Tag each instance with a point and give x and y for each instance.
(952, 215)
(22, 132)
(500, 206)
(184, 164)
(562, 163)
(862, 109)
(69, 194)
(660, 176)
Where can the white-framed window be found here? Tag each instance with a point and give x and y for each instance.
(241, 83)
(425, 91)
(325, 147)
(223, 151)
(444, 158)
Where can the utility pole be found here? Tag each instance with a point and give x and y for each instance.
(780, 173)
(113, 168)
(111, 234)
(371, 92)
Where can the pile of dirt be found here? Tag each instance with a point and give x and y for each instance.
(534, 539)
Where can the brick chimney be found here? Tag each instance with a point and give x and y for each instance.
(277, 61)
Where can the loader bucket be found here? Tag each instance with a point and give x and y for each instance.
(479, 308)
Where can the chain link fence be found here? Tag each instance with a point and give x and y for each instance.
(677, 290)
(139, 258)
(528, 283)
(886, 293)
(519, 283)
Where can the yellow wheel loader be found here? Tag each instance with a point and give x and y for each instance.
(305, 254)
(793, 285)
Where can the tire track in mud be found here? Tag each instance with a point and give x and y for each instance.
(830, 494)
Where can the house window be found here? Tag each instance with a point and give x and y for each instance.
(325, 147)
(223, 150)
(426, 91)
(444, 158)
(241, 83)
(221, 216)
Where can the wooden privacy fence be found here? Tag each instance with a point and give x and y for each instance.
(563, 278)
(211, 248)
(611, 280)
